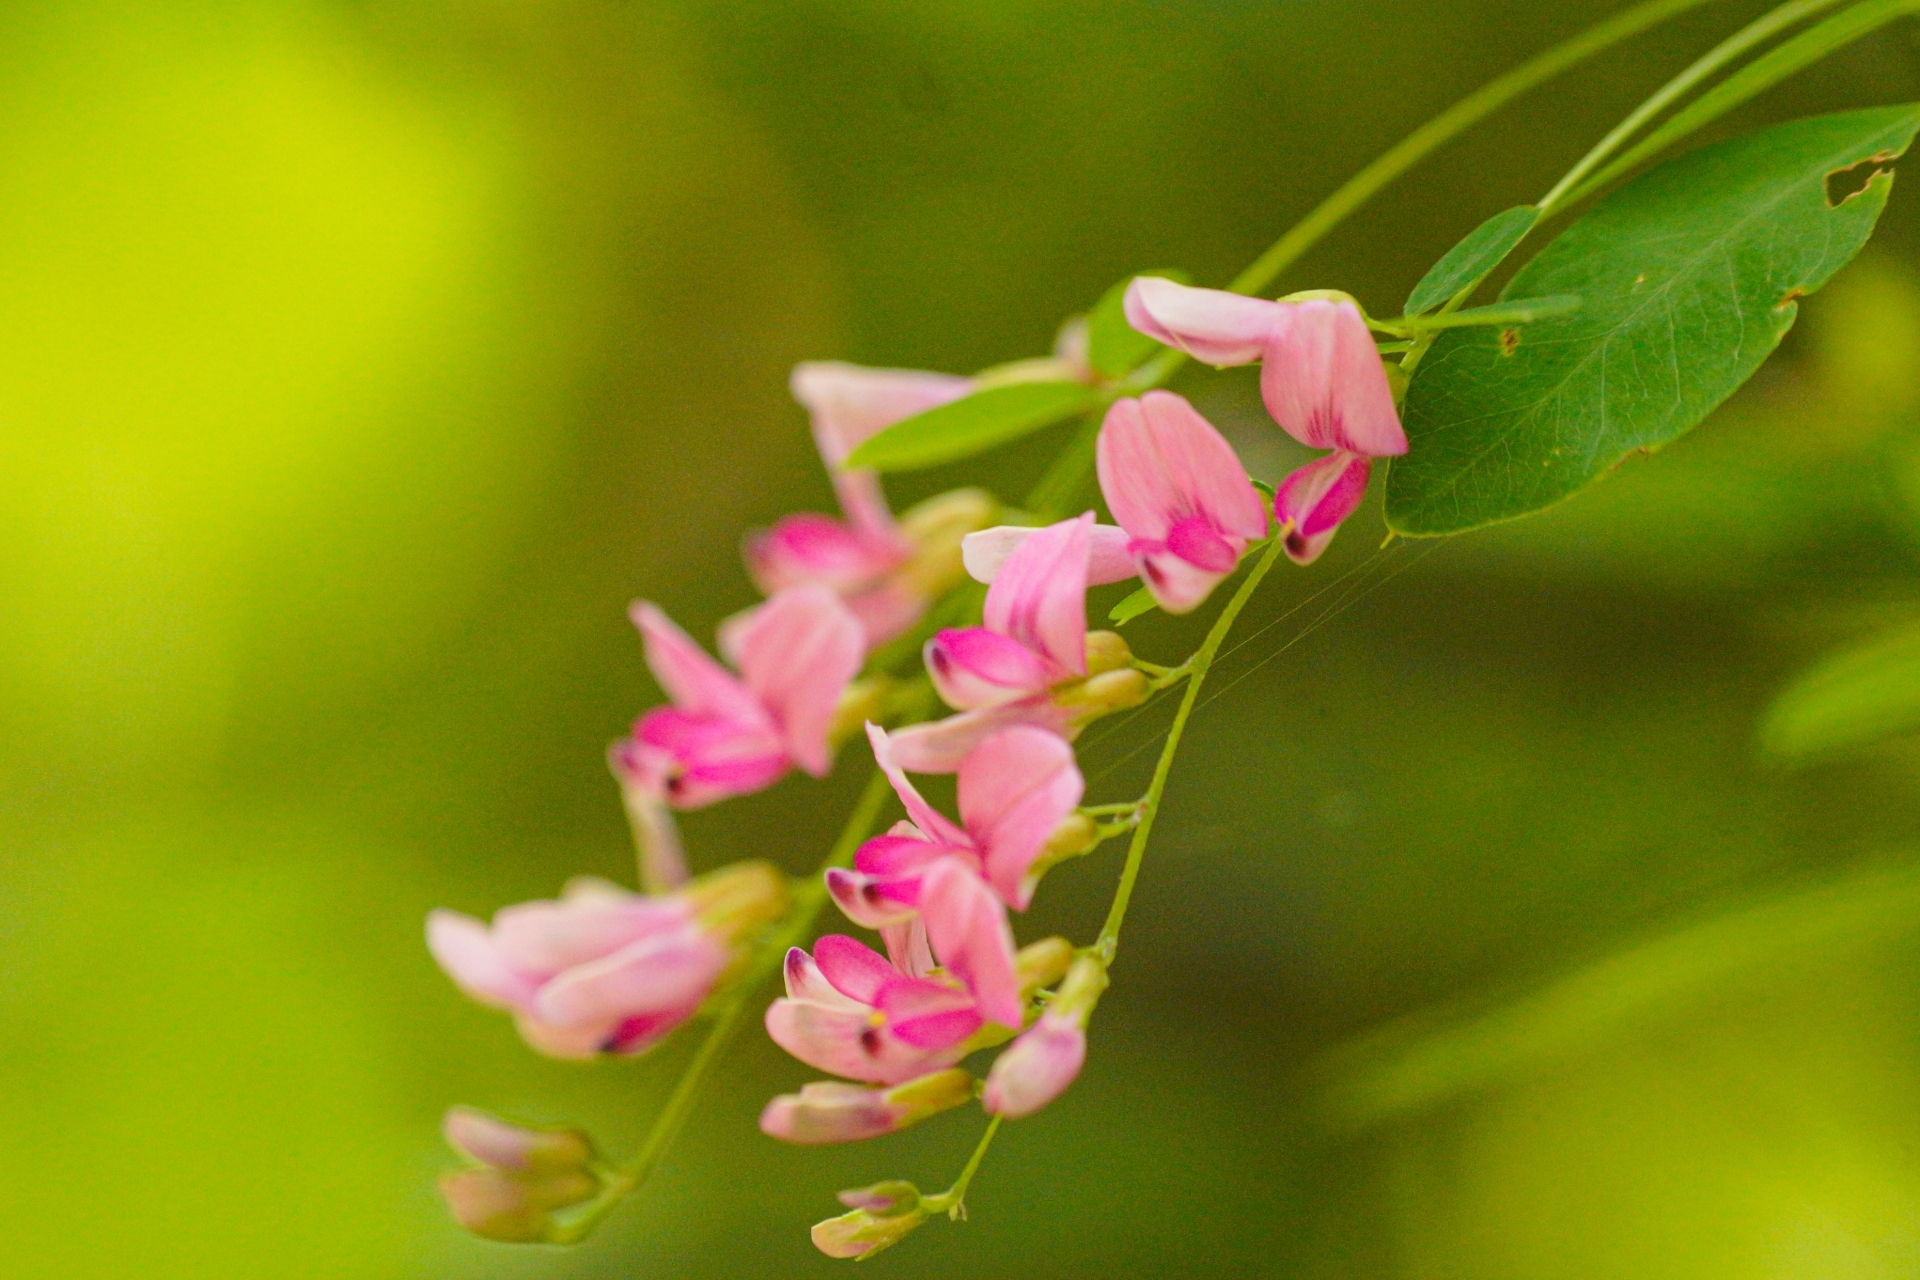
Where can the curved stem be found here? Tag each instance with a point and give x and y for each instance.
(808, 899)
(1200, 663)
(953, 1201)
(1446, 126)
(1754, 33)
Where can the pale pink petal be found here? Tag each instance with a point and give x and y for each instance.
(973, 667)
(696, 683)
(1036, 1068)
(938, 746)
(887, 610)
(908, 948)
(797, 657)
(1015, 789)
(854, 1044)
(967, 926)
(828, 1112)
(1316, 498)
(1211, 325)
(1040, 595)
(806, 982)
(1108, 560)
(465, 950)
(659, 972)
(929, 819)
(849, 403)
(634, 1036)
(579, 1043)
(1324, 384)
(856, 971)
(865, 504)
(663, 863)
(546, 937)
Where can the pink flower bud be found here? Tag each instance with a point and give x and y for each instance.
(1316, 498)
(498, 1205)
(860, 1235)
(515, 1148)
(834, 1111)
(883, 1199)
(1036, 1068)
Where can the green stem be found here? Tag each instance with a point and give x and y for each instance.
(808, 898)
(953, 1201)
(1749, 36)
(1446, 126)
(1200, 663)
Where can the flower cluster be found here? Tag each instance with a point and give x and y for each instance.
(604, 971)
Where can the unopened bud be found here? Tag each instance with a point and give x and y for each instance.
(738, 899)
(516, 1148)
(861, 701)
(1036, 1068)
(860, 1234)
(835, 1111)
(887, 1199)
(498, 1205)
(936, 529)
(1086, 982)
(1043, 963)
(1107, 651)
(1111, 691)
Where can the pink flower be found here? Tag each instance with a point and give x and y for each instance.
(1032, 663)
(879, 568)
(603, 970)
(1320, 373)
(1313, 501)
(1177, 488)
(851, 1012)
(728, 735)
(1016, 788)
(1036, 1068)
(834, 1111)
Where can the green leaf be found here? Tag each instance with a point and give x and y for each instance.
(973, 425)
(1483, 250)
(1762, 73)
(1690, 275)
(1854, 698)
(1526, 311)
(1132, 607)
(1114, 347)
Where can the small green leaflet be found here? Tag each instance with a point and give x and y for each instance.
(1114, 347)
(973, 425)
(1484, 249)
(1853, 699)
(1690, 276)
(1132, 607)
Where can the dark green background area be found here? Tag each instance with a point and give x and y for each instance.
(359, 362)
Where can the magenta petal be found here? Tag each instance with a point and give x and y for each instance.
(797, 656)
(465, 950)
(855, 970)
(973, 667)
(1040, 595)
(936, 1031)
(1211, 325)
(1318, 496)
(1195, 541)
(1015, 790)
(892, 855)
(867, 901)
(635, 1035)
(967, 926)
(813, 548)
(849, 404)
(1176, 584)
(696, 683)
(1324, 384)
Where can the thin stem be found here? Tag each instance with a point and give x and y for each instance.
(1446, 126)
(954, 1199)
(808, 898)
(1754, 33)
(1107, 810)
(1201, 662)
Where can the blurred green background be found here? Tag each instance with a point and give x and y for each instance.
(360, 360)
